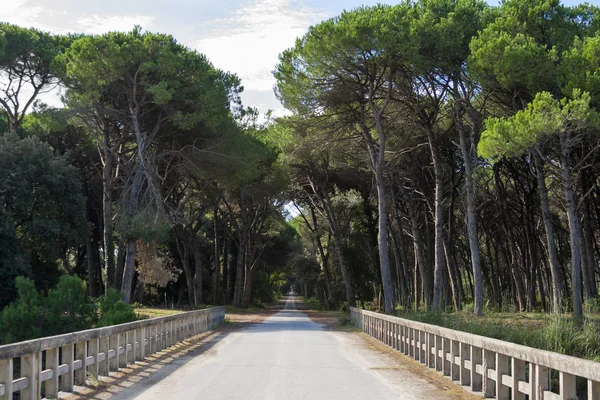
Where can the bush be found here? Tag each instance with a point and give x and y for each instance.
(345, 319)
(66, 309)
(113, 311)
(22, 319)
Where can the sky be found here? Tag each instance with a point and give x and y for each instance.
(241, 36)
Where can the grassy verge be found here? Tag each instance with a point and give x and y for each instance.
(559, 334)
(151, 312)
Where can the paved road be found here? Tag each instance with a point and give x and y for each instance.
(286, 357)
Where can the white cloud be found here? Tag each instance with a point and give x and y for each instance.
(21, 12)
(97, 24)
(250, 41)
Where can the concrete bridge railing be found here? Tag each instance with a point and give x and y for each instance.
(52, 364)
(494, 368)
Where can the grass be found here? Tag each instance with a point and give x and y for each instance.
(560, 334)
(151, 312)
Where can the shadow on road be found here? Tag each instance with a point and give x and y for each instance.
(144, 374)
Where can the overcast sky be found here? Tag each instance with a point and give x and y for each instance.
(241, 36)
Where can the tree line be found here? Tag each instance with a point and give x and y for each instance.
(153, 179)
(437, 154)
(445, 153)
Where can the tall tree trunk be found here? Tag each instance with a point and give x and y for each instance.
(573, 228)
(324, 256)
(587, 246)
(557, 287)
(326, 205)
(129, 269)
(377, 162)
(225, 290)
(217, 256)
(198, 299)
(337, 245)
(107, 178)
(120, 266)
(183, 248)
(471, 218)
(93, 264)
(439, 222)
(421, 264)
(239, 271)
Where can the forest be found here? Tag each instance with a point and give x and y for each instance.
(435, 156)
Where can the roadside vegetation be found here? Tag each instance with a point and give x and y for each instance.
(66, 308)
(557, 333)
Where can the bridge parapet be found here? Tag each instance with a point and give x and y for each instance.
(57, 363)
(491, 367)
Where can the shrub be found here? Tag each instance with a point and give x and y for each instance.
(345, 319)
(68, 308)
(112, 310)
(22, 319)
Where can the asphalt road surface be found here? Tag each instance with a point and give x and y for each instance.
(286, 357)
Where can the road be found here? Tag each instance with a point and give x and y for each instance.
(288, 356)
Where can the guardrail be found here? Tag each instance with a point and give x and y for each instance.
(57, 363)
(490, 367)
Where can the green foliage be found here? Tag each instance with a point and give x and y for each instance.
(45, 210)
(345, 319)
(113, 310)
(68, 308)
(558, 334)
(25, 56)
(65, 309)
(580, 68)
(543, 117)
(22, 319)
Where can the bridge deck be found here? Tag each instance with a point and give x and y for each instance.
(288, 356)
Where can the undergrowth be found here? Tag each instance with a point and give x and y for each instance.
(560, 334)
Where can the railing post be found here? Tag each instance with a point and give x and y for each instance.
(489, 386)
(104, 347)
(94, 350)
(6, 377)
(446, 366)
(422, 341)
(132, 355)
(430, 350)
(143, 339)
(68, 356)
(81, 354)
(52, 363)
(439, 359)
(31, 366)
(454, 367)
(518, 374)
(113, 364)
(568, 390)
(465, 355)
(137, 345)
(476, 359)
(542, 382)
(125, 341)
(593, 389)
(502, 365)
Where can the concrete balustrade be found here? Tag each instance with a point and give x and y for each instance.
(57, 363)
(490, 367)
